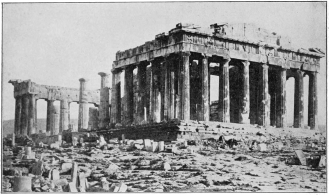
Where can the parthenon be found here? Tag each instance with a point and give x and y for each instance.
(173, 83)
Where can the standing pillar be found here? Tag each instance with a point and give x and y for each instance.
(166, 79)
(116, 98)
(104, 113)
(313, 101)
(264, 116)
(93, 118)
(54, 124)
(141, 83)
(36, 116)
(83, 105)
(129, 96)
(299, 100)
(186, 86)
(31, 115)
(18, 113)
(25, 115)
(64, 115)
(172, 91)
(245, 111)
(281, 109)
(156, 92)
(205, 89)
(224, 93)
(50, 105)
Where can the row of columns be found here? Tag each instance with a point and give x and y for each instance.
(170, 93)
(58, 118)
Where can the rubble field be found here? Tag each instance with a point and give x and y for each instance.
(258, 161)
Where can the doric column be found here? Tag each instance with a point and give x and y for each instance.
(93, 118)
(281, 109)
(104, 113)
(64, 115)
(264, 116)
(141, 90)
(50, 105)
(166, 80)
(205, 89)
(129, 95)
(18, 113)
(36, 116)
(116, 98)
(186, 86)
(54, 124)
(31, 116)
(178, 96)
(83, 105)
(224, 92)
(313, 101)
(172, 90)
(25, 114)
(156, 95)
(299, 100)
(245, 110)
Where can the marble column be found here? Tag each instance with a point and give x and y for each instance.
(83, 106)
(166, 80)
(205, 89)
(36, 115)
(313, 102)
(141, 83)
(64, 115)
(31, 115)
(281, 106)
(116, 98)
(172, 90)
(54, 124)
(93, 118)
(18, 113)
(299, 100)
(50, 105)
(186, 86)
(224, 92)
(25, 114)
(129, 95)
(156, 92)
(104, 112)
(245, 110)
(264, 115)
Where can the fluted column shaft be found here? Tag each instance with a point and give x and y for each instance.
(141, 83)
(156, 92)
(224, 93)
(104, 112)
(25, 115)
(186, 86)
(129, 96)
(64, 115)
(116, 98)
(205, 89)
(299, 100)
(18, 113)
(264, 116)
(281, 109)
(245, 110)
(83, 106)
(313, 101)
(31, 114)
(54, 124)
(50, 105)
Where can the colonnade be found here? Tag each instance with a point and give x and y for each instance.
(262, 101)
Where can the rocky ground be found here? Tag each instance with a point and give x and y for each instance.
(212, 165)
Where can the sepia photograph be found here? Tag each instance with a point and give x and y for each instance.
(170, 96)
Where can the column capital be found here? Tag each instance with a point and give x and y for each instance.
(226, 61)
(245, 63)
(83, 80)
(185, 54)
(265, 66)
(103, 74)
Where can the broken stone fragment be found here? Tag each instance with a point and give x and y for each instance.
(65, 167)
(37, 168)
(166, 166)
(22, 184)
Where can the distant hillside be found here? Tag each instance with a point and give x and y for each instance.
(8, 126)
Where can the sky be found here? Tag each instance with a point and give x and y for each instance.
(58, 43)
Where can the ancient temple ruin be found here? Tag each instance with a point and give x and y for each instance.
(173, 84)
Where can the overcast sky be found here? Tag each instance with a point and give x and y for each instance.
(56, 44)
